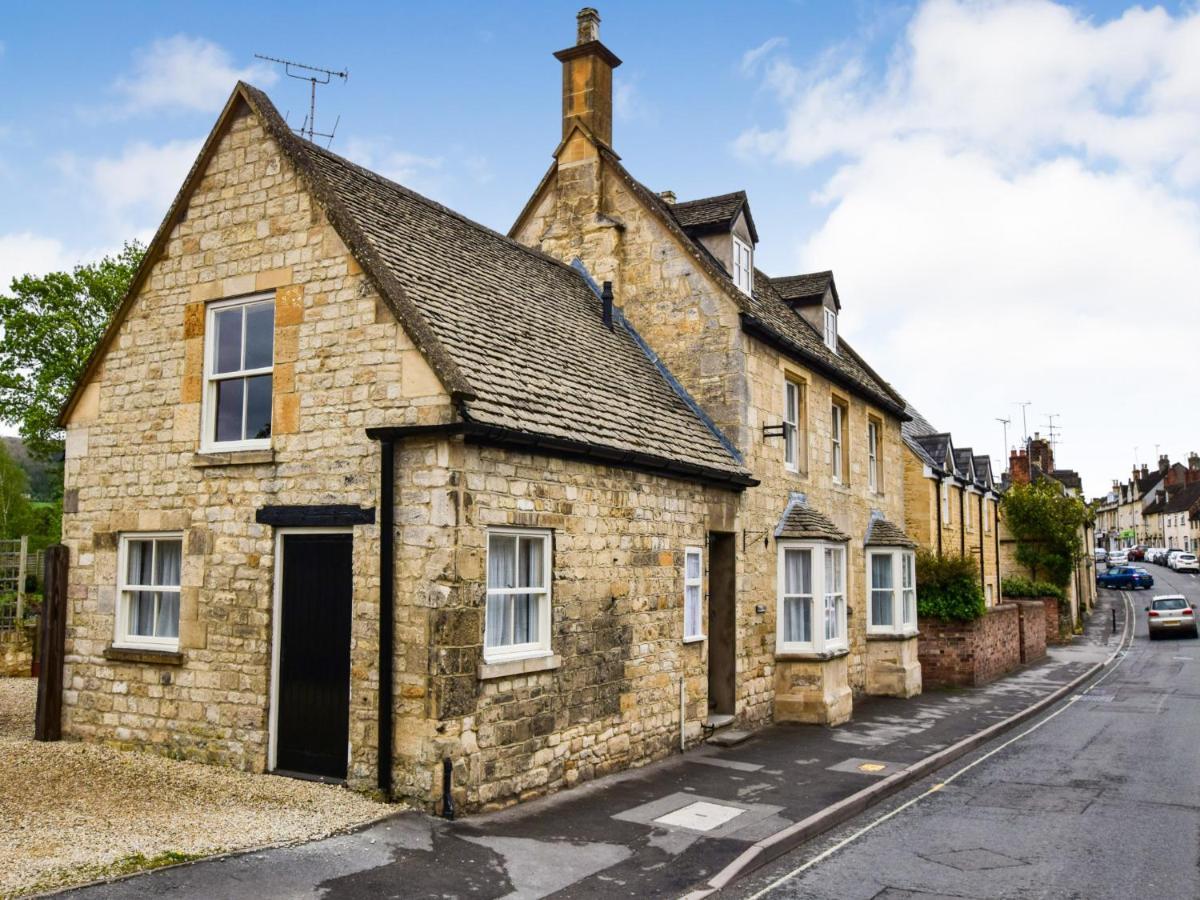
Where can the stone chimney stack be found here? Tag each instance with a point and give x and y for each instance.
(587, 79)
(667, 197)
(1145, 471)
(1164, 463)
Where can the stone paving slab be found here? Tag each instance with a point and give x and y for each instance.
(651, 832)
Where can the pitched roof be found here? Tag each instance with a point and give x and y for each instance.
(802, 287)
(964, 460)
(1068, 477)
(518, 337)
(713, 213)
(983, 471)
(882, 533)
(1183, 499)
(799, 520)
(765, 315)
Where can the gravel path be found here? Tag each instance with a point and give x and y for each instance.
(72, 812)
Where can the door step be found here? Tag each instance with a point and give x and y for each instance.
(718, 720)
(729, 738)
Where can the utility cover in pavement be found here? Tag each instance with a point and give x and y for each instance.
(876, 767)
(700, 816)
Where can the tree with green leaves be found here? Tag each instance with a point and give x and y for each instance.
(16, 513)
(1046, 524)
(51, 324)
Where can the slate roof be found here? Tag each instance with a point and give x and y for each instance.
(799, 520)
(517, 336)
(713, 213)
(1068, 477)
(963, 459)
(935, 447)
(882, 533)
(765, 315)
(792, 288)
(1183, 499)
(983, 471)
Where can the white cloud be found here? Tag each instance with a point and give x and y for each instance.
(25, 253)
(751, 58)
(144, 177)
(1012, 216)
(185, 74)
(630, 103)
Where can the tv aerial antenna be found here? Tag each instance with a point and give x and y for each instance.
(316, 76)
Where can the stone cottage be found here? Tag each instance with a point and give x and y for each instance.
(825, 592)
(951, 502)
(358, 489)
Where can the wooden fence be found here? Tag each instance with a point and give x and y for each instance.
(14, 564)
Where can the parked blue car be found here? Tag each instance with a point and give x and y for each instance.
(1128, 578)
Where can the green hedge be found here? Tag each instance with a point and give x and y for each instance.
(948, 588)
(1023, 587)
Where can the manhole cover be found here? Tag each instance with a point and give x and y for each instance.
(700, 816)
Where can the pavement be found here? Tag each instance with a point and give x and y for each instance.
(657, 831)
(1098, 798)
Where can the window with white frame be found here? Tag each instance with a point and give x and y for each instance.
(837, 436)
(891, 575)
(793, 405)
(811, 613)
(149, 569)
(987, 517)
(517, 621)
(831, 329)
(945, 505)
(968, 499)
(873, 481)
(743, 265)
(693, 594)
(238, 366)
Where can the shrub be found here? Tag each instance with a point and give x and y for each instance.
(948, 587)
(1023, 587)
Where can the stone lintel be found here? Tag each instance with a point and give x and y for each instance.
(233, 458)
(512, 667)
(152, 657)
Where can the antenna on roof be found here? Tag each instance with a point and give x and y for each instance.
(1055, 433)
(318, 76)
(1004, 424)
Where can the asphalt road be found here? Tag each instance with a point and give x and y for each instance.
(1098, 798)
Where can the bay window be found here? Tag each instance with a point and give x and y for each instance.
(811, 609)
(517, 621)
(149, 569)
(891, 574)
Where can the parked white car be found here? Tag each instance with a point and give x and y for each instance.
(1118, 558)
(1101, 554)
(1185, 562)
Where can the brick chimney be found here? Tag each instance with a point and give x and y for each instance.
(1145, 471)
(587, 79)
(1041, 453)
(1018, 467)
(1164, 463)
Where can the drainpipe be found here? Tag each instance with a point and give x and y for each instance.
(962, 521)
(387, 617)
(996, 538)
(982, 565)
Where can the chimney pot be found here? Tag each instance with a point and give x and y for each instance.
(667, 197)
(606, 305)
(588, 22)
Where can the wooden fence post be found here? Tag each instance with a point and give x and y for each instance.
(53, 638)
(21, 579)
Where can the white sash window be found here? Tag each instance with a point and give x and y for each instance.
(809, 621)
(891, 576)
(517, 623)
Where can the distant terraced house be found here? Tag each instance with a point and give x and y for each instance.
(359, 489)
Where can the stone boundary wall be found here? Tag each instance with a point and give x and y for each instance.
(969, 654)
(1032, 629)
(16, 653)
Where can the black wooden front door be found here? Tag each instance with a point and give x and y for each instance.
(312, 722)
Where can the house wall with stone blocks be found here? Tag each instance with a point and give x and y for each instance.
(587, 210)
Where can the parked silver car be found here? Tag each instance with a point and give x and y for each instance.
(1170, 613)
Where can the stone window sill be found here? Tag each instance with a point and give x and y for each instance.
(233, 458)
(136, 655)
(811, 655)
(510, 668)
(892, 635)
(696, 639)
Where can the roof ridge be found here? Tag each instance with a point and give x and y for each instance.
(726, 196)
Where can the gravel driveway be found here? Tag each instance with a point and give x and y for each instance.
(72, 812)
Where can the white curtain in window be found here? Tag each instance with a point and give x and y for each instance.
(797, 604)
(881, 590)
(908, 587)
(502, 573)
(834, 597)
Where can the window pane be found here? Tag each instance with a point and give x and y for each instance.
(797, 572)
(691, 611)
(260, 335)
(229, 410)
(499, 615)
(530, 574)
(692, 566)
(141, 613)
(258, 407)
(167, 560)
(881, 570)
(910, 606)
(138, 568)
(167, 624)
(228, 340)
(907, 570)
(525, 618)
(797, 620)
(881, 607)
(502, 561)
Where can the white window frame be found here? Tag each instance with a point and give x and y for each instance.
(967, 510)
(903, 591)
(987, 517)
(819, 600)
(529, 649)
(793, 404)
(693, 612)
(873, 455)
(121, 636)
(837, 425)
(743, 265)
(208, 415)
(945, 488)
(831, 334)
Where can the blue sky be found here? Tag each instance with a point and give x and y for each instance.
(996, 186)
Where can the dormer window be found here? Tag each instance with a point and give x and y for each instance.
(743, 265)
(831, 329)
